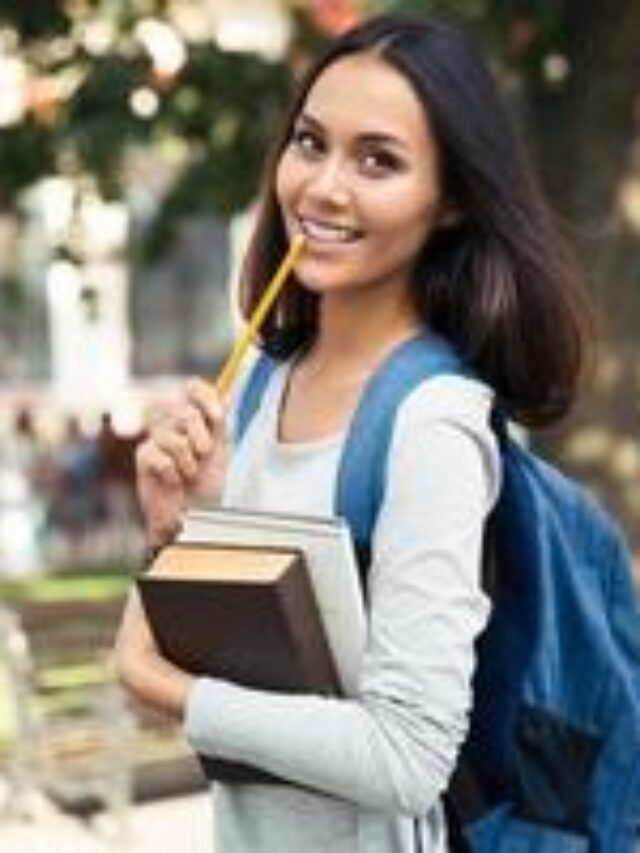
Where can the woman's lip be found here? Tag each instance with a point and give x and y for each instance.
(322, 231)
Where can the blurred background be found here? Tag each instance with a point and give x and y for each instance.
(132, 139)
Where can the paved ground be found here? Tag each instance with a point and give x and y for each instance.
(162, 826)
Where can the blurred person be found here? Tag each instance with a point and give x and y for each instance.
(399, 166)
(24, 482)
(78, 503)
(117, 486)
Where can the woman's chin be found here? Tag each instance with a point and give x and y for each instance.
(322, 277)
(322, 284)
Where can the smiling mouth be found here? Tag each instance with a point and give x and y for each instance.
(320, 231)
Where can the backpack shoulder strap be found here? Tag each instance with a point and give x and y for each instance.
(363, 465)
(252, 393)
(362, 471)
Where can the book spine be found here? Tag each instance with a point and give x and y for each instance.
(310, 643)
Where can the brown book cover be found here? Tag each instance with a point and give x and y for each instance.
(245, 614)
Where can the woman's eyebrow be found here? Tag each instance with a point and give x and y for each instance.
(377, 138)
(365, 138)
(305, 118)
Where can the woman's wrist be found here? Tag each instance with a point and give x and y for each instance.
(173, 689)
(156, 682)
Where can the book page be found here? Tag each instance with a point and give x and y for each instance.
(221, 563)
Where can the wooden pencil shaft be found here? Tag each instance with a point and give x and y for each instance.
(232, 364)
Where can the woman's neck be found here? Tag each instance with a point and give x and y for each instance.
(355, 332)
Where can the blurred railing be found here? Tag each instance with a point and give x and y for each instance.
(75, 737)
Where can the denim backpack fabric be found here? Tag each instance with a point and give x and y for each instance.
(552, 759)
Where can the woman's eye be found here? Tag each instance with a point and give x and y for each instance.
(306, 142)
(379, 163)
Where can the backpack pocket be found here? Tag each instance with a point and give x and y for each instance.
(554, 763)
(502, 832)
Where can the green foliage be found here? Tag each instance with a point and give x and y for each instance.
(12, 293)
(99, 121)
(212, 181)
(226, 108)
(27, 153)
(35, 19)
(96, 585)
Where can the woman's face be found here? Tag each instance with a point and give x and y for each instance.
(360, 177)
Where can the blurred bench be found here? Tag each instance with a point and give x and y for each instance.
(77, 738)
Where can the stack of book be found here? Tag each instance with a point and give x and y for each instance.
(265, 600)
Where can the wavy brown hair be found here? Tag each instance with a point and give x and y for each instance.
(502, 285)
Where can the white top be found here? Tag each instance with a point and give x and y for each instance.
(369, 765)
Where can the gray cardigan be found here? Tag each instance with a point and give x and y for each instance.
(364, 769)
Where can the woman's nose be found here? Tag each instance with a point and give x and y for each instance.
(329, 182)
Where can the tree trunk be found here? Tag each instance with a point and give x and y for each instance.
(587, 134)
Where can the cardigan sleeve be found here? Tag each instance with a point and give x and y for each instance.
(394, 746)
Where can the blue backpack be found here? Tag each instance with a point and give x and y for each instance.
(552, 759)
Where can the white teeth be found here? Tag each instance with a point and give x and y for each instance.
(327, 232)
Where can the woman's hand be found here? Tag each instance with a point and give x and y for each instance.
(184, 457)
(148, 676)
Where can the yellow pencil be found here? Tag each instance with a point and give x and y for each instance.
(228, 373)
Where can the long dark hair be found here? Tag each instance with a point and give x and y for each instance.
(502, 285)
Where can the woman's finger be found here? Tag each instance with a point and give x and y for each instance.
(204, 396)
(191, 422)
(177, 445)
(151, 460)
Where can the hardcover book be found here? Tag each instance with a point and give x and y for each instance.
(248, 609)
(329, 554)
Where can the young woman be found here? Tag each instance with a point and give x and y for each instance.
(399, 166)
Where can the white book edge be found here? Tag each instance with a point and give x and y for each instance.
(315, 525)
(328, 547)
